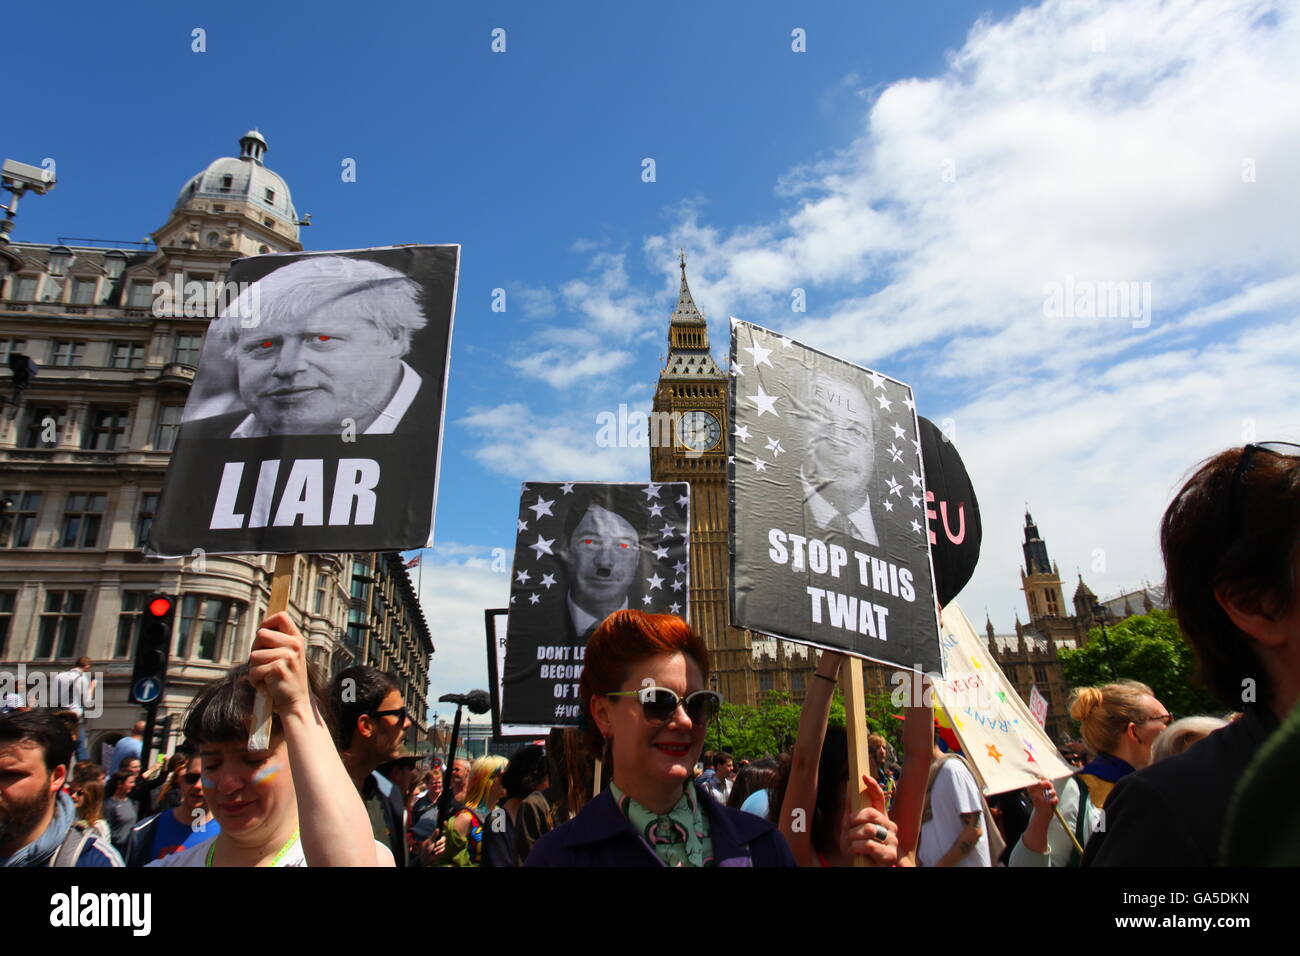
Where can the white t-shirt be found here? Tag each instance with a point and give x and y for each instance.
(954, 793)
(197, 855)
(73, 690)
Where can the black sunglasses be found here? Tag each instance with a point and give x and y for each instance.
(660, 703)
(1284, 448)
(191, 778)
(398, 712)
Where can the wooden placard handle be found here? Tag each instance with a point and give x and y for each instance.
(855, 726)
(259, 735)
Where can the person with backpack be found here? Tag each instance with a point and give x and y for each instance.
(1120, 723)
(37, 819)
(470, 831)
(957, 827)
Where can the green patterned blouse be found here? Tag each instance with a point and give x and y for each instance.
(681, 838)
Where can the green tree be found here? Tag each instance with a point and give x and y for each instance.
(1149, 648)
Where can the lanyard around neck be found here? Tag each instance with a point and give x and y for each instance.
(212, 850)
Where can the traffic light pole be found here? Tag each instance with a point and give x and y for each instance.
(151, 715)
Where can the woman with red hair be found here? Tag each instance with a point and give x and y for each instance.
(647, 707)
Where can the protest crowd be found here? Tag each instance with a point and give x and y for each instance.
(632, 785)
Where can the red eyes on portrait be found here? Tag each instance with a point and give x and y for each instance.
(622, 544)
(323, 338)
(266, 344)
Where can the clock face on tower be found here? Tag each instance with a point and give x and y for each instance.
(700, 431)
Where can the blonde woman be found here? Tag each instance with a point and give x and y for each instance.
(1120, 722)
(470, 826)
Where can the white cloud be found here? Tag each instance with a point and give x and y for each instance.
(561, 446)
(453, 597)
(572, 367)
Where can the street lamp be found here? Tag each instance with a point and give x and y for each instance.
(1099, 612)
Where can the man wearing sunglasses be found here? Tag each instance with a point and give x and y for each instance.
(1230, 540)
(179, 828)
(371, 726)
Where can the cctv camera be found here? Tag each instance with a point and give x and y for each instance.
(20, 176)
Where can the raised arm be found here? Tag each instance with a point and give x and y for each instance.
(918, 749)
(801, 790)
(335, 830)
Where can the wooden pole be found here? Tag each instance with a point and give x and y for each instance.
(259, 735)
(1066, 827)
(595, 786)
(855, 724)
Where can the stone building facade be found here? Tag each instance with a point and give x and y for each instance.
(115, 330)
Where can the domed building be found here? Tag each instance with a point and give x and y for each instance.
(236, 205)
(84, 452)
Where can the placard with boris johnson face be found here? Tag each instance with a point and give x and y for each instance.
(829, 536)
(315, 418)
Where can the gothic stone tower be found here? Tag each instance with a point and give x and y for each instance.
(692, 395)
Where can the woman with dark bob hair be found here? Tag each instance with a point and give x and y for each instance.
(644, 697)
(291, 805)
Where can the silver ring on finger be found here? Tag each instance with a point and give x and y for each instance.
(882, 834)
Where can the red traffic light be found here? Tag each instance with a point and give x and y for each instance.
(160, 606)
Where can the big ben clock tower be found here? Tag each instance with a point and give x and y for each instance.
(692, 393)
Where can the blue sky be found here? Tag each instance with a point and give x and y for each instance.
(926, 173)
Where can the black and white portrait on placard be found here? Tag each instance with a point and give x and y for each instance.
(317, 345)
(830, 543)
(584, 550)
(315, 419)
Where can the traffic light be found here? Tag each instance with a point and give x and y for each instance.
(151, 649)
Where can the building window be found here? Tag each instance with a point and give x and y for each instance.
(126, 355)
(107, 429)
(128, 623)
(797, 682)
(144, 517)
(8, 347)
(299, 580)
(66, 353)
(1040, 673)
(765, 682)
(226, 182)
(81, 520)
(218, 208)
(21, 517)
(60, 622)
(24, 289)
(208, 626)
(187, 349)
(6, 619)
(52, 290)
(114, 264)
(270, 195)
(141, 296)
(318, 606)
(43, 427)
(356, 636)
(169, 426)
(83, 291)
(213, 238)
(60, 259)
(360, 582)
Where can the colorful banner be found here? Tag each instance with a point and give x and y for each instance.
(315, 419)
(998, 734)
(829, 543)
(583, 551)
